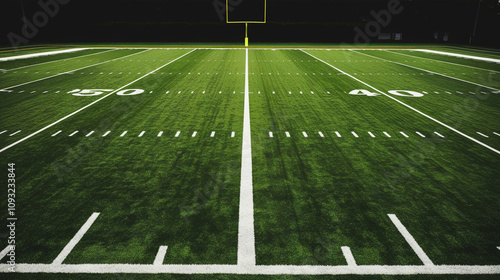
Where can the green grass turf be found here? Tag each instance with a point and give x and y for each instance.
(311, 195)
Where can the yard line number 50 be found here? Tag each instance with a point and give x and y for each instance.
(94, 92)
(405, 93)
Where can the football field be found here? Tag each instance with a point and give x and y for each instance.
(251, 161)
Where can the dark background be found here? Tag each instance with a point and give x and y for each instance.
(303, 21)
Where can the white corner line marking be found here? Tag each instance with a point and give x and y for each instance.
(160, 256)
(410, 240)
(72, 243)
(246, 231)
(348, 256)
(411, 108)
(88, 105)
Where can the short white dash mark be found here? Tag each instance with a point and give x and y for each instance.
(354, 133)
(123, 134)
(420, 134)
(142, 133)
(212, 134)
(194, 134)
(287, 134)
(160, 256)
(74, 132)
(338, 134)
(486, 136)
(387, 134)
(232, 134)
(160, 133)
(321, 134)
(106, 134)
(177, 134)
(438, 134)
(15, 133)
(371, 134)
(404, 134)
(304, 133)
(270, 134)
(90, 133)
(56, 133)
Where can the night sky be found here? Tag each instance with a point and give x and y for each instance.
(307, 21)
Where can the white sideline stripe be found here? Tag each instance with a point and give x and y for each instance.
(160, 256)
(24, 56)
(421, 69)
(90, 133)
(160, 133)
(270, 134)
(123, 134)
(438, 134)
(212, 134)
(3, 132)
(387, 134)
(72, 243)
(287, 134)
(141, 134)
(106, 134)
(460, 55)
(420, 134)
(409, 107)
(194, 134)
(338, 134)
(45, 78)
(74, 132)
(56, 133)
(482, 134)
(232, 134)
(90, 104)
(4, 252)
(444, 62)
(321, 134)
(371, 134)
(257, 270)
(15, 133)
(348, 256)
(410, 240)
(59, 60)
(304, 133)
(404, 134)
(177, 133)
(246, 234)
(354, 133)
(497, 134)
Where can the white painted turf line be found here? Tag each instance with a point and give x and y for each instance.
(194, 134)
(371, 134)
(4, 252)
(486, 136)
(72, 243)
(12, 134)
(410, 240)
(56, 133)
(24, 56)
(409, 107)
(90, 133)
(338, 134)
(70, 71)
(123, 133)
(421, 69)
(305, 134)
(74, 132)
(3, 132)
(160, 133)
(90, 104)
(348, 256)
(106, 134)
(160, 256)
(141, 134)
(460, 55)
(420, 134)
(246, 234)
(177, 134)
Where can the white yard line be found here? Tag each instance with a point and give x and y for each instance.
(428, 71)
(88, 105)
(257, 270)
(348, 256)
(160, 256)
(246, 234)
(410, 240)
(58, 60)
(70, 71)
(72, 243)
(444, 61)
(409, 107)
(24, 56)
(459, 55)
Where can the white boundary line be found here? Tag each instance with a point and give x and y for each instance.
(88, 105)
(256, 270)
(460, 55)
(441, 61)
(78, 236)
(38, 54)
(160, 256)
(63, 59)
(246, 234)
(410, 240)
(409, 107)
(67, 72)
(421, 69)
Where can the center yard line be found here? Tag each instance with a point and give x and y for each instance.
(348, 256)
(160, 256)
(411, 241)
(72, 243)
(59, 60)
(410, 107)
(443, 61)
(436, 73)
(87, 106)
(246, 234)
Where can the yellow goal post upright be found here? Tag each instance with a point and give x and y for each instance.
(246, 22)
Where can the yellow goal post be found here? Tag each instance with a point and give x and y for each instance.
(246, 22)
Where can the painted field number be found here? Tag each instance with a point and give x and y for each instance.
(404, 93)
